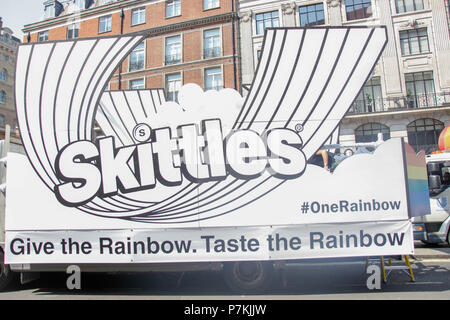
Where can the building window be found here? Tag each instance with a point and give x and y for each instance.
(80, 4)
(370, 98)
(173, 50)
(137, 57)
(83, 4)
(173, 85)
(423, 134)
(49, 11)
(211, 43)
(368, 132)
(408, 5)
(104, 24)
(420, 91)
(72, 31)
(137, 84)
(210, 4)
(43, 36)
(414, 41)
(358, 9)
(137, 16)
(2, 120)
(2, 96)
(173, 8)
(266, 20)
(3, 75)
(311, 15)
(213, 79)
(5, 58)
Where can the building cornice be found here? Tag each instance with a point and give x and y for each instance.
(225, 17)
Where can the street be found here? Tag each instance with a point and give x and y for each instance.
(336, 279)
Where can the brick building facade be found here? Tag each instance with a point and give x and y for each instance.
(189, 41)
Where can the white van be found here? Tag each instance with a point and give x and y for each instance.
(437, 224)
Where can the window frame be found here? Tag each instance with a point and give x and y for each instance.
(43, 34)
(2, 97)
(213, 6)
(396, 4)
(415, 102)
(353, 5)
(175, 61)
(3, 75)
(369, 130)
(261, 14)
(408, 32)
(77, 29)
(80, 4)
(140, 54)
(130, 84)
(139, 12)
(307, 14)
(412, 131)
(166, 85)
(370, 106)
(109, 24)
(174, 4)
(49, 11)
(215, 53)
(205, 70)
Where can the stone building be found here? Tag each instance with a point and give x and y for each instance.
(188, 41)
(408, 94)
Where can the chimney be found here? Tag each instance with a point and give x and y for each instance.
(1, 24)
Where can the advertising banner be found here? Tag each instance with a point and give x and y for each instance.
(213, 169)
(211, 244)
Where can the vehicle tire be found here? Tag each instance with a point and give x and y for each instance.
(430, 244)
(248, 276)
(6, 275)
(448, 237)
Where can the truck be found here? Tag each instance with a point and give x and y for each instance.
(214, 181)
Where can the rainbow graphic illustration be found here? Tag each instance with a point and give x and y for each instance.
(417, 182)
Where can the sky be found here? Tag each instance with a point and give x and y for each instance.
(17, 13)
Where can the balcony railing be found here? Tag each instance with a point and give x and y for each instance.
(430, 100)
(211, 52)
(173, 58)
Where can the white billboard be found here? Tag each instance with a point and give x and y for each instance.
(214, 164)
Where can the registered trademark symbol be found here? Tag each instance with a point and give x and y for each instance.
(142, 132)
(298, 127)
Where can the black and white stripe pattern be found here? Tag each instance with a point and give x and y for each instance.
(58, 86)
(306, 77)
(120, 111)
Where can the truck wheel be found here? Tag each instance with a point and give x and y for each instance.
(6, 275)
(248, 276)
